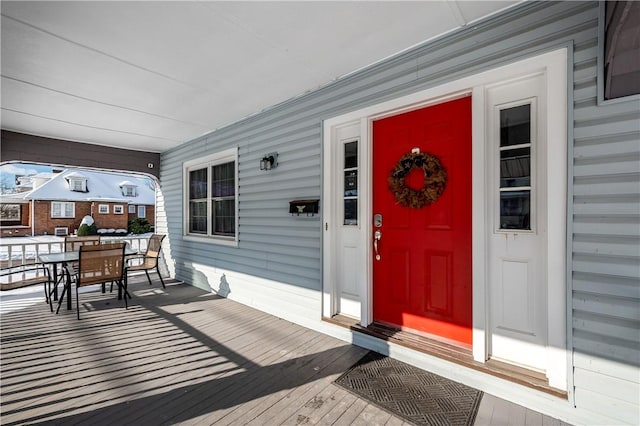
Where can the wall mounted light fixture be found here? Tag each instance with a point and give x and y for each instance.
(269, 161)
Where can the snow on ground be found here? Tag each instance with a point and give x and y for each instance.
(51, 244)
(43, 243)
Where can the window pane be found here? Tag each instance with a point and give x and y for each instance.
(198, 217)
(515, 125)
(224, 222)
(621, 49)
(351, 212)
(9, 212)
(68, 209)
(56, 209)
(142, 211)
(198, 184)
(350, 155)
(515, 210)
(351, 183)
(515, 167)
(223, 180)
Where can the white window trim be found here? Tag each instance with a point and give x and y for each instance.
(208, 161)
(82, 181)
(103, 208)
(132, 208)
(62, 210)
(129, 191)
(118, 209)
(142, 209)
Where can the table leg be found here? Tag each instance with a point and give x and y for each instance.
(55, 282)
(68, 284)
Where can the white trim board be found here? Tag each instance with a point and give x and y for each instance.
(553, 66)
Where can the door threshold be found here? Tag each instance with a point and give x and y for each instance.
(456, 354)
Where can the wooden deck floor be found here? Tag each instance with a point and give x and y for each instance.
(182, 356)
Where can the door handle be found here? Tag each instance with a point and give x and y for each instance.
(377, 236)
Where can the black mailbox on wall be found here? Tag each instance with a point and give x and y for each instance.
(308, 207)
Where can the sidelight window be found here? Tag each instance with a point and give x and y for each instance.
(350, 191)
(515, 167)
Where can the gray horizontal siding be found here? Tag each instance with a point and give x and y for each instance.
(605, 203)
(605, 246)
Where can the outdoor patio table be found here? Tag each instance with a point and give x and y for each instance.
(62, 259)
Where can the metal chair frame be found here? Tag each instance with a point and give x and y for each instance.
(31, 274)
(150, 258)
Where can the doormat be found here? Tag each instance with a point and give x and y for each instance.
(419, 397)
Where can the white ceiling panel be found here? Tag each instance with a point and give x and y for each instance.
(152, 75)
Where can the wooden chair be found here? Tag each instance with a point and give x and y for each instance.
(26, 275)
(99, 264)
(73, 243)
(150, 258)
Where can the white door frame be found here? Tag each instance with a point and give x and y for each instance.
(554, 66)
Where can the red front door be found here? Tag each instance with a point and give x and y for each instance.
(422, 279)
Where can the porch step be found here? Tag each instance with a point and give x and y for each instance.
(452, 353)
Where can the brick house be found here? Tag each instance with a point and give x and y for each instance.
(56, 203)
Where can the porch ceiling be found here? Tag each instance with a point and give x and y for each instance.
(151, 75)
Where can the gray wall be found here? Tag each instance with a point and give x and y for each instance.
(604, 170)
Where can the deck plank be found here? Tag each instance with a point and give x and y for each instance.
(371, 416)
(269, 392)
(344, 400)
(286, 407)
(182, 356)
(316, 407)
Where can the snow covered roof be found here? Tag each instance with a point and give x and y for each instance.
(16, 197)
(101, 186)
(76, 175)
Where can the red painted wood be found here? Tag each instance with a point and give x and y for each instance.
(423, 279)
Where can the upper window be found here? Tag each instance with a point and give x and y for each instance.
(119, 209)
(78, 184)
(129, 191)
(142, 211)
(63, 210)
(132, 208)
(620, 49)
(211, 196)
(103, 208)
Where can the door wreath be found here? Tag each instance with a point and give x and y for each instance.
(435, 179)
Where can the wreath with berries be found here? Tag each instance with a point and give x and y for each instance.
(435, 179)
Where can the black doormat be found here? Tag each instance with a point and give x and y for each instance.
(419, 397)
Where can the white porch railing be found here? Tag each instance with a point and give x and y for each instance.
(15, 251)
